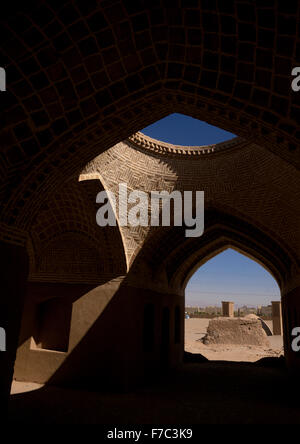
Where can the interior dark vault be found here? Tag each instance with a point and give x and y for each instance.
(91, 286)
(95, 314)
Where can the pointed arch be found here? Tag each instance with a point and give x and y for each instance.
(178, 257)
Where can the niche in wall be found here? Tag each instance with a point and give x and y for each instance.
(148, 328)
(52, 325)
(177, 324)
(165, 336)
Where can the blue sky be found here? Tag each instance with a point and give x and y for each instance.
(184, 130)
(229, 275)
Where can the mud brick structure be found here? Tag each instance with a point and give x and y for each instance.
(228, 309)
(238, 331)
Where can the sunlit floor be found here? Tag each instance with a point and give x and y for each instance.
(24, 387)
(212, 392)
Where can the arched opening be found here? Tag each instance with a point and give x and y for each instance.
(84, 76)
(145, 315)
(181, 129)
(165, 336)
(230, 308)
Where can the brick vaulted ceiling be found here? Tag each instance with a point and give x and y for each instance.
(251, 200)
(84, 75)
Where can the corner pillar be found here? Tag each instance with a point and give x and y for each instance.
(13, 272)
(277, 317)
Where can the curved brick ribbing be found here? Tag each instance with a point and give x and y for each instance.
(83, 72)
(179, 256)
(142, 141)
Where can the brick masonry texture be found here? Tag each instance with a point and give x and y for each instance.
(84, 76)
(243, 184)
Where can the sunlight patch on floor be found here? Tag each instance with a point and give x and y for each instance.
(23, 387)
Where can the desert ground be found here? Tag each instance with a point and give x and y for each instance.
(195, 330)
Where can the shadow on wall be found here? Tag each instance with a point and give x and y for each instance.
(109, 345)
(115, 352)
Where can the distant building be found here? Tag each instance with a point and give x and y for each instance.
(191, 310)
(260, 310)
(210, 310)
(245, 310)
(213, 310)
(266, 310)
